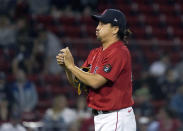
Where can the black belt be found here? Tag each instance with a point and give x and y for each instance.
(97, 112)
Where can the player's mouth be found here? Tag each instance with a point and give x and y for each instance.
(97, 33)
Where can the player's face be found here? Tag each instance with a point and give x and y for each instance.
(103, 31)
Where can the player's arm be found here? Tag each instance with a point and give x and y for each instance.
(60, 61)
(93, 80)
(70, 76)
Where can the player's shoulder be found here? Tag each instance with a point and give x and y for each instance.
(122, 46)
(120, 50)
(95, 50)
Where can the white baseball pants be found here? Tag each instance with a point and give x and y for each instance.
(121, 120)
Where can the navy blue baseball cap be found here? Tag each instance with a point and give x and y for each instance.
(113, 16)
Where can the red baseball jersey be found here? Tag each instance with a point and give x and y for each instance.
(113, 63)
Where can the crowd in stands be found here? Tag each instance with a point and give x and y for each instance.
(33, 88)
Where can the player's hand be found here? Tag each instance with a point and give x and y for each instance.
(60, 59)
(68, 58)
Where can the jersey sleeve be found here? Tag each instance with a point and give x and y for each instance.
(85, 63)
(112, 64)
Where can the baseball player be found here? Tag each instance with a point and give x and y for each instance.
(108, 75)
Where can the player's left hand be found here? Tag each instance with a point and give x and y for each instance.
(68, 58)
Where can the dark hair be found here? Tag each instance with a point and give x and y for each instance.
(124, 35)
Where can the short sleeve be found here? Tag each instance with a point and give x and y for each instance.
(85, 63)
(112, 64)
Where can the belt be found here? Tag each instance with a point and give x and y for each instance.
(97, 112)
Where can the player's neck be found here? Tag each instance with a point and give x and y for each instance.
(107, 43)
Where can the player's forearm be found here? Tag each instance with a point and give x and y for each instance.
(87, 78)
(70, 76)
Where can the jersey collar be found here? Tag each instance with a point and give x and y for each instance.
(115, 44)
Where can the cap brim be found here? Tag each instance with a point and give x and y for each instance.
(96, 17)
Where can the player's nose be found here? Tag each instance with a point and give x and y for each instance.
(97, 29)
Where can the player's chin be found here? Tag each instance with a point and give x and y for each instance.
(98, 37)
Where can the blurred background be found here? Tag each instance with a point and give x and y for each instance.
(34, 92)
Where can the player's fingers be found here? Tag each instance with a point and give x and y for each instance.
(63, 50)
(60, 62)
(60, 59)
(61, 55)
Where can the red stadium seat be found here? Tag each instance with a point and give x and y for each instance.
(54, 29)
(67, 20)
(72, 31)
(87, 20)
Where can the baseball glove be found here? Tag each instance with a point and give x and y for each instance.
(81, 87)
